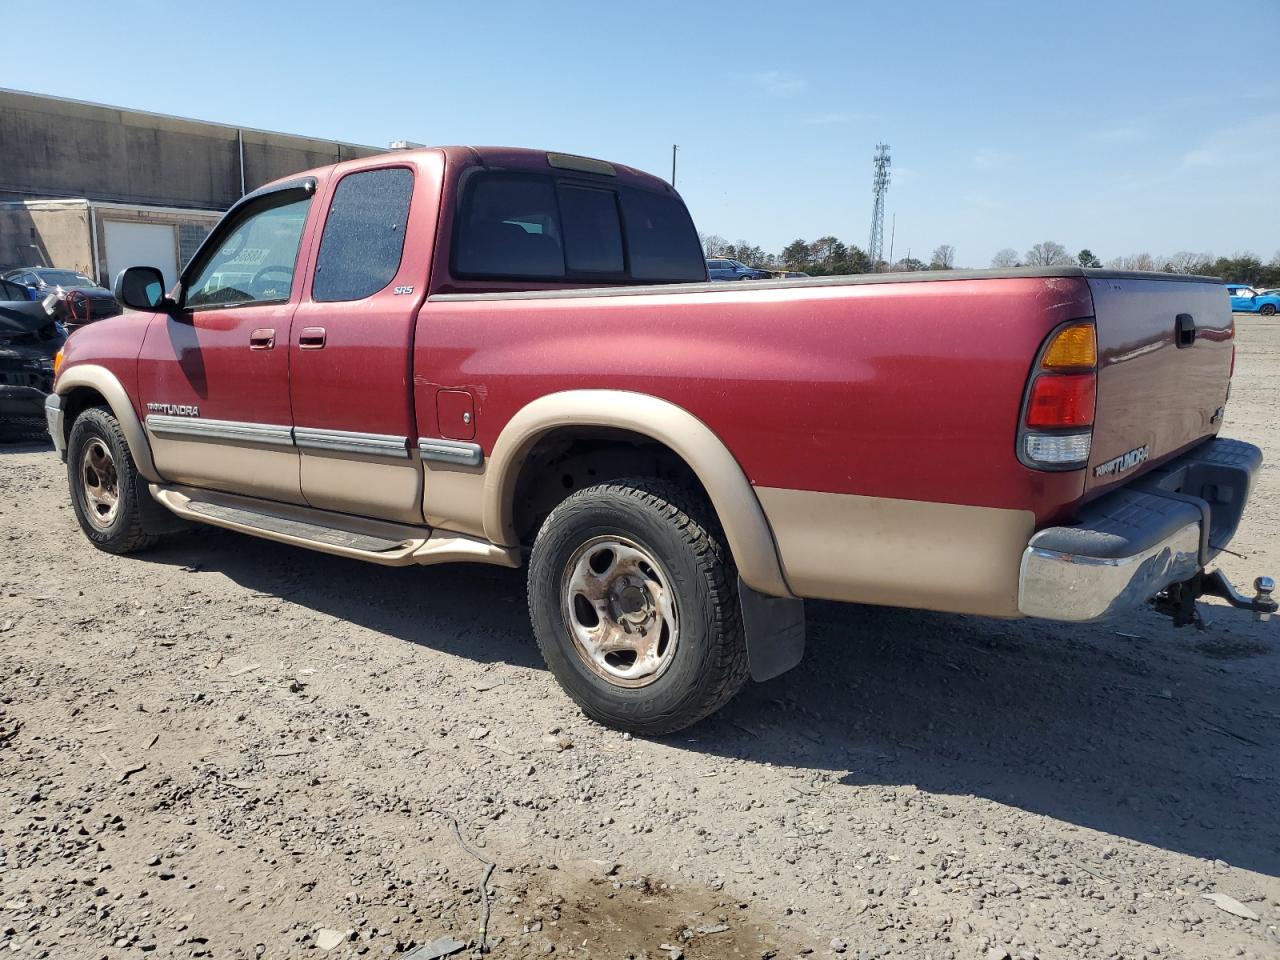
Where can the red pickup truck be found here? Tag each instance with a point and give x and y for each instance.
(509, 356)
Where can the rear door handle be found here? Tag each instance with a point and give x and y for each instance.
(311, 338)
(264, 338)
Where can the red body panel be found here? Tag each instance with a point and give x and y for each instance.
(903, 390)
(360, 380)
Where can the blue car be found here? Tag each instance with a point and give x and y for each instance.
(722, 268)
(1245, 299)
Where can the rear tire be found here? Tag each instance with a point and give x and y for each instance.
(105, 485)
(1268, 310)
(634, 603)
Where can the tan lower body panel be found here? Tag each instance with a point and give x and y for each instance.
(453, 497)
(382, 487)
(258, 471)
(901, 553)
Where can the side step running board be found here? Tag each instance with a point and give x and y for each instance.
(390, 544)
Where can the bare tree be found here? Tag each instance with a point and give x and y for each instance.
(1185, 261)
(1008, 257)
(1048, 254)
(1137, 261)
(713, 245)
(944, 257)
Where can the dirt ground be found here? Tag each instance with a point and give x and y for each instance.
(230, 748)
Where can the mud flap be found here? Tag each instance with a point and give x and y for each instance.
(774, 629)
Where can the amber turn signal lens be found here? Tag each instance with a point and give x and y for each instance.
(1072, 348)
(57, 362)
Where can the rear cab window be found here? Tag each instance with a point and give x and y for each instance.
(548, 228)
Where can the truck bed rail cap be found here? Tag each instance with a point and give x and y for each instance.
(923, 276)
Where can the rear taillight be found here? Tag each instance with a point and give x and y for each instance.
(1056, 428)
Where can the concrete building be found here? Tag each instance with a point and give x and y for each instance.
(99, 188)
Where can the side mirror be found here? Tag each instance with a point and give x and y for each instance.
(139, 288)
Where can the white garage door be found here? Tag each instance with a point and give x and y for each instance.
(142, 245)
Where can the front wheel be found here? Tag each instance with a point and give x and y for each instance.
(1268, 310)
(105, 484)
(633, 598)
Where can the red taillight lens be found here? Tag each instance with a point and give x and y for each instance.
(1062, 400)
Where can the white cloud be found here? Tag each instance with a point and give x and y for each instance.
(778, 82)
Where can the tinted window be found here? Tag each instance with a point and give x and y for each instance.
(592, 231)
(510, 228)
(254, 262)
(526, 226)
(364, 234)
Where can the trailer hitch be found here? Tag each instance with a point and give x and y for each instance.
(1178, 600)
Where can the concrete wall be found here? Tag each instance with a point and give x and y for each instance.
(65, 148)
(53, 235)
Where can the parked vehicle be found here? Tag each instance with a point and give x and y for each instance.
(29, 341)
(507, 356)
(77, 299)
(1245, 299)
(719, 268)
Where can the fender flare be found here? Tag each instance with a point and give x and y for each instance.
(746, 529)
(103, 381)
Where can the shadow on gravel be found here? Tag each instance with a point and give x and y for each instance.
(1132, 729)
(469, 610)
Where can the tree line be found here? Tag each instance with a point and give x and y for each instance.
(830, 256)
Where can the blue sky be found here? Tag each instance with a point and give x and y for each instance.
(1123, 126)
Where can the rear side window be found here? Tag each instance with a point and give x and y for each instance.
(363, 236)
(510, 228)
(535, 227)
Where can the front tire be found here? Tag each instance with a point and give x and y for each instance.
(1268, 310)
(105, 485)
(634, 603)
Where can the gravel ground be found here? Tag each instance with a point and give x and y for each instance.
(230, 748)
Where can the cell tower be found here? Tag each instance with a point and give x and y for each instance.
(875, 248)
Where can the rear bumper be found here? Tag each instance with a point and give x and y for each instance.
(1129, 545)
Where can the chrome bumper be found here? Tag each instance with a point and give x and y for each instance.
(53, 416)
(1133, 543)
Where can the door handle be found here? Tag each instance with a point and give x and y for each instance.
(311, 338)
(264, 338)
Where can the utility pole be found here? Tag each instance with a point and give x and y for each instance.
(674, 148)
(893, 231)
(879, 184)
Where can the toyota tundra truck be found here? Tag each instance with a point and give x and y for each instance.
(515, 357)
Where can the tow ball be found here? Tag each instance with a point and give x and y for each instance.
(1178, 600)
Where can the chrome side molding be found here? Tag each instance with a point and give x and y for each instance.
(457, 452)
(344, 441)
(231, 431)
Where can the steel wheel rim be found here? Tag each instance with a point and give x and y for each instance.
(100, 482)
(620, 610)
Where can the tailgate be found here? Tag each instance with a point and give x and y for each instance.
(1159, 391)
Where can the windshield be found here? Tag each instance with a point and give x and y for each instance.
(65, 278)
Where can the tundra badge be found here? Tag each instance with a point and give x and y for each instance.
(174, 409)
(1126, 461)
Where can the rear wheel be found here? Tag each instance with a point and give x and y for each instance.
(105, 485)
(633, 598)
(1268, 310)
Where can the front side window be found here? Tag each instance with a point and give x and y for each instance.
(363, 236)
(255, 261)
